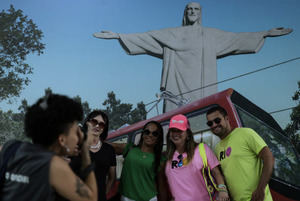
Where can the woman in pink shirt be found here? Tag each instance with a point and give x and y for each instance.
(184, 165)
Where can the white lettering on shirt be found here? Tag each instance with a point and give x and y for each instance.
(17, 178)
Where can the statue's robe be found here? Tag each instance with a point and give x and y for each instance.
(190, 55)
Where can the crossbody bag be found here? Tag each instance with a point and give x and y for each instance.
(210, 183)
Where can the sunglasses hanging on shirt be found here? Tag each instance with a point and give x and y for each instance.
(180, 162)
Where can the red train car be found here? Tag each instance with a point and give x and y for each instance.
(285, 181)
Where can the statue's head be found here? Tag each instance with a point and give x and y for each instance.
(192, 14)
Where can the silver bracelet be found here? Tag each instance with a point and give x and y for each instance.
(222, 186)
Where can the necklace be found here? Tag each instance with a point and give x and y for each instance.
(143, 154)
(67, 159)
(97, 146)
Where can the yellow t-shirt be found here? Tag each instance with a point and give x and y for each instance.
(238, 156)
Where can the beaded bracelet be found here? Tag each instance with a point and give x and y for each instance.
(222, 190)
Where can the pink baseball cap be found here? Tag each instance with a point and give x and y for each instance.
(180, 122)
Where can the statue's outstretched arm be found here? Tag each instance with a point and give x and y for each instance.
(278, 32)
(106, 35)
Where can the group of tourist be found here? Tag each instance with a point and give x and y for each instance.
(67, 161)
(241, 168)
(68, 158)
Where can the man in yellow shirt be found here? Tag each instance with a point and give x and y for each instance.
(246, 161)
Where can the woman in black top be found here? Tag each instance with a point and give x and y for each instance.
(102, 154)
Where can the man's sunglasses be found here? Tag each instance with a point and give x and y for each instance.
(94, 123)
(216, 120)
(147, 132)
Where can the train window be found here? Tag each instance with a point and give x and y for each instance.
(198, 123)
(206, 137)
(287, 165)
(137, 138)
(165, 130)
(201, 131)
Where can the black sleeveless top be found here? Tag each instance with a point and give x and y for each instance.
(27, 174)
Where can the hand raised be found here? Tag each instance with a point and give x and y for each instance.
(278, 32)
(106, 35)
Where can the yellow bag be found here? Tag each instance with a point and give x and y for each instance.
(210, 183)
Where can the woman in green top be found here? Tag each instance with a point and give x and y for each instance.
(141, 167)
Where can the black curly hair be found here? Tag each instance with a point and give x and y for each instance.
(51, 116)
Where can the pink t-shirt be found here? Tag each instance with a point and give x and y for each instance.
(186, 182)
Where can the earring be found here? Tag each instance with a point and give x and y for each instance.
(67, 148)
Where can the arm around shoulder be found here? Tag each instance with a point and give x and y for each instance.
(118, 147)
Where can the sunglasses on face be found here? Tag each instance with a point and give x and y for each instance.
(180, 163)
(147, 132)
(216, 120)
(94, 123)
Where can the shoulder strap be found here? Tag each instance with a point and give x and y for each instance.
(207, 177)
(9, 152)
(203, 154)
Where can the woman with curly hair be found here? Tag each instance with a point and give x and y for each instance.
(37, 171)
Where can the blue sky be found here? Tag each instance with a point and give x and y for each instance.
(76, 63)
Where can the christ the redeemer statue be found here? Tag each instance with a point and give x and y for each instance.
(190, 52)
